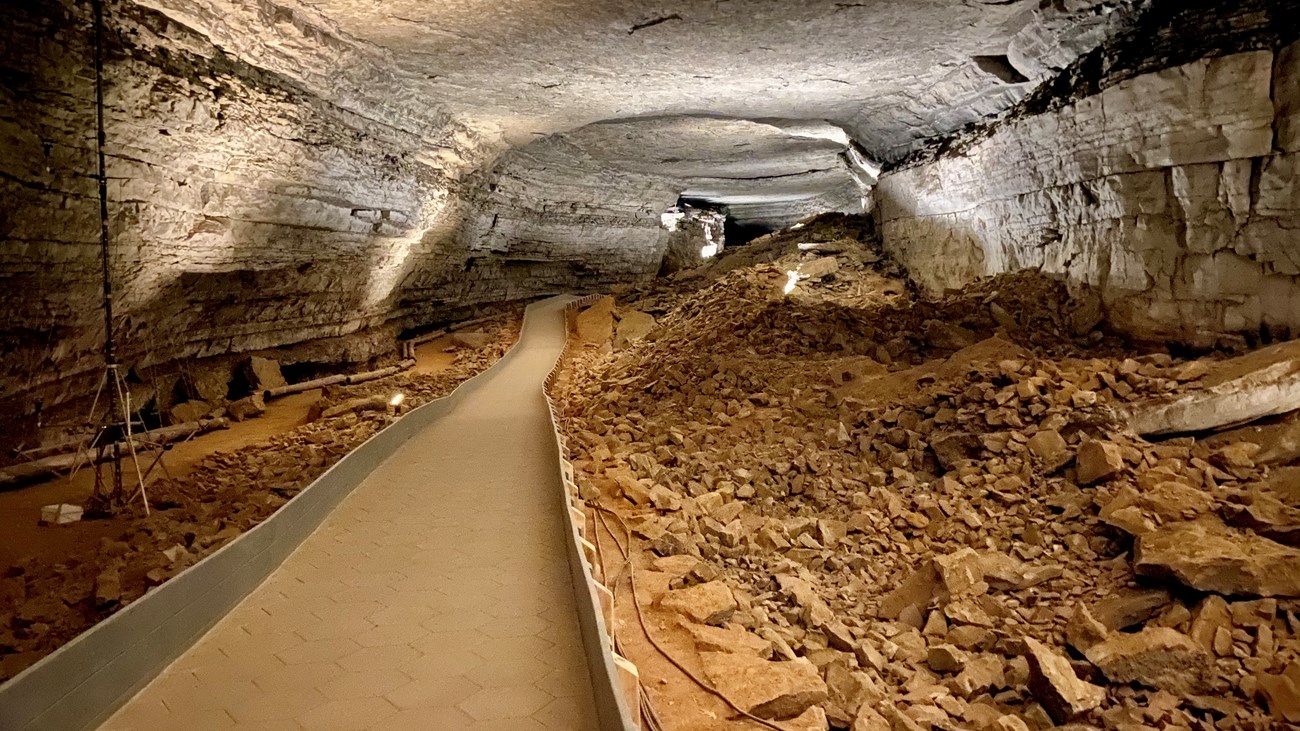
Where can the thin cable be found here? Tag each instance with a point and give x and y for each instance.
(647, 711)
(648, 714)
(636, 603)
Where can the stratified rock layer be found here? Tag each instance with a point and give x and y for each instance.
(1171, 193)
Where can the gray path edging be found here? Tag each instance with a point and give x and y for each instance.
(597, 640)
(84, 682)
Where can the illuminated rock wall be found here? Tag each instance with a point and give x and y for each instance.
(1172, 193)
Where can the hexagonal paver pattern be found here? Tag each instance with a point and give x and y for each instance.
(432, 598)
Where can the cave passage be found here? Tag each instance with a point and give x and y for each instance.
(934, 365)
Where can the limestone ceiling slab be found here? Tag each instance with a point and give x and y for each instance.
(750, 102)
(764, 170)
(891, 72)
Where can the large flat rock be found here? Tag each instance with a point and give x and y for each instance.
(1207, 555)
(766, 689)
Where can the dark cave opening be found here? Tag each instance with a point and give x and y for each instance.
(735, 232)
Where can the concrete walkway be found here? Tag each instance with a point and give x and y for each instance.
(437, 596)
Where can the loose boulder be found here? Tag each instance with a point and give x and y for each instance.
(207, 383)
(728, 638)
(1098, 460)
(1055, 685)
(1207, 555)
(263, 374)
(633, 326)
(1050, 449)
(189, 411)
(708, 603)
(775, 690)
(596, 323)
(1157, 657)
(247, 408)
(470, 340)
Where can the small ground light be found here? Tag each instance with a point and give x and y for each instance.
(395, 403)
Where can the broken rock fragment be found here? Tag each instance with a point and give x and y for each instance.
(849, 690)
(954, 448)
(596, 323)
(1084, 630)
(189, 411)
(1098, 460)
(708, 603)
(1212, 615)
(1207, 555)
(819, 267)
(1281, 693)
(1007, 573)
(1138, 511)
(948, 336)
(664, 499)
(1237, 391)
(1050, 449)
(247, 408)
(633, 326)
(1055, 685)
(1129, 607)
(946, 659)
(263, 374)
(1158, 657)
(813, 610)
(960, 573)
(728, 638)
(813, 719)
(470, 340)
(766, 689)
(981, 675)
(108, 587)
(869, 719)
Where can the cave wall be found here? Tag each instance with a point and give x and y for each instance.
(266, 189)
(547, 202)
(246, 212)
(1173, 193)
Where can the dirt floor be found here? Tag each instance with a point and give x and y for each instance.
(850, 507)
(60, 580)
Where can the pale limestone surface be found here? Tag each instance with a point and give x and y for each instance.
(1143, 191)
(437, 596)
(891, 73)
(286, 171)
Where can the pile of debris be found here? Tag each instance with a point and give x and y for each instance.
(865, 510)
(45, 604)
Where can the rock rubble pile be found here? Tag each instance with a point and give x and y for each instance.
(865, 510)
(43, 604)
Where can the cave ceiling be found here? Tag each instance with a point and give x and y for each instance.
(656, 77)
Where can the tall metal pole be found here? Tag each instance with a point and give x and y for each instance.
(110, 356)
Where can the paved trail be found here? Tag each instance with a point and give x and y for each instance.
(437, 596)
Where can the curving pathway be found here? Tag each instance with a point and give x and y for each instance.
(436, 596)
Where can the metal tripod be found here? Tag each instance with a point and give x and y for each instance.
(115, 427)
